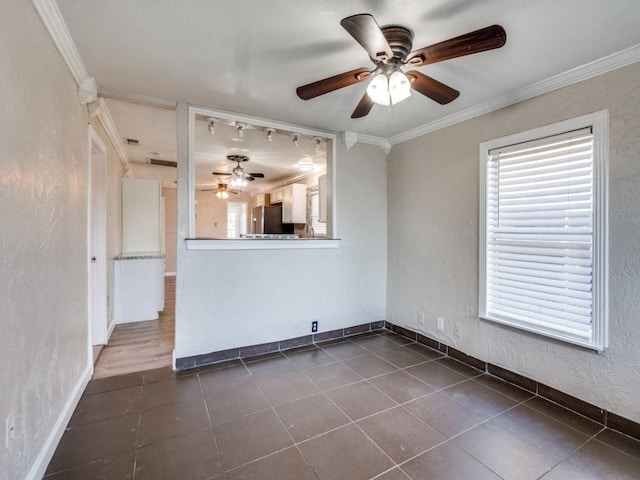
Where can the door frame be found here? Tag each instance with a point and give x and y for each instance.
(97, 241)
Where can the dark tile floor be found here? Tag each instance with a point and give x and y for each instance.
(372, 406)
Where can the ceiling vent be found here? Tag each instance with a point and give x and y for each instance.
(163, 163)
(132, 141)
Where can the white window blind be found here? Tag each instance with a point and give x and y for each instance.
(539, 237)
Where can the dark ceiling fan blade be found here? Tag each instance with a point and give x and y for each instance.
(432, 88)
(364, 107)
(315, 89)
(364, 29)
(222, 174)
(477, 41)
(249, 178)
(257, 175)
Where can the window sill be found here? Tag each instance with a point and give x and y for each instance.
(261, 244)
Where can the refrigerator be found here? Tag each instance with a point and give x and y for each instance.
(269, 220)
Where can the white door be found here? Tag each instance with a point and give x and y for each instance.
(97, 241)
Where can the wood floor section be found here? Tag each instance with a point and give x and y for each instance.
(138, 346)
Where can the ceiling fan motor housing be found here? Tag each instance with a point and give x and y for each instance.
(400, 40)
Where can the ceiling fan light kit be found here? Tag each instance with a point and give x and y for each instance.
(240, 178)
(390, 48)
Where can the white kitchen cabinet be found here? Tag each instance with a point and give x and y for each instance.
(138, 288)
(259, 200)
(277, 195)
(294, 203)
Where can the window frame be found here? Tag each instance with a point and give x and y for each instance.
(599, 123)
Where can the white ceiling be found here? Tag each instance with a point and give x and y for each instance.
(249, 56)
(155, 128)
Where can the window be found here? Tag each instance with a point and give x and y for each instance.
(236, 219)
(543, 231)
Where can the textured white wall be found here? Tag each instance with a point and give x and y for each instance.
(228, 299)
(43, 236)
(433, 243)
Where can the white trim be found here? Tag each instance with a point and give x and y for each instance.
(110, 329)
(52, 20)
(101, 110)
(46, 452)
(383, 143)
(349, 139)
(261, 244)
(169, 274)
(51, 17)
(575, 75)
(88, 91)
(97, 239)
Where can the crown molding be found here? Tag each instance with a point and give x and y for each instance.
(51, 17)
(598, 67)
(349, 139)
(99, 109)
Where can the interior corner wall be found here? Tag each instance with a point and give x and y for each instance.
(433, 195)
(43, 240)
(115, 171)
(234, 298)
(170, 228)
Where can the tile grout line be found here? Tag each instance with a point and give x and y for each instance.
(215, 440)
(294, 443)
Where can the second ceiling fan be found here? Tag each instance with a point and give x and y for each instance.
(389, 48)
(239, 176)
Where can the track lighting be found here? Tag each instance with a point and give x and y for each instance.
(240, 129)
(212, 126)
(269, 132)
(295, 139)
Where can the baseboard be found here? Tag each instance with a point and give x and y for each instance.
(110, 329)
(593, 412)
(46, 453)
(185, 363)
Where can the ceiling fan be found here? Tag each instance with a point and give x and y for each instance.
(240, 177)
(389, 48)
(222, 191)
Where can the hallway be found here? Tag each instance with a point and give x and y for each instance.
(134, 347)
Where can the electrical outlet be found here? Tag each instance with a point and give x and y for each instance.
(314, 326)
(457, 330)
(440, 324)
(420, 318)
(10, 429)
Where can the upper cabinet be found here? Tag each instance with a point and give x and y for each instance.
(260, 199)
(141, 216)
(277, 195)
(294, 203)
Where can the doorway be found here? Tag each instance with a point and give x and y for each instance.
(236, 219)
(97, 241)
